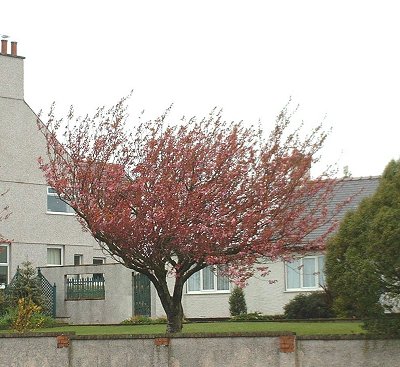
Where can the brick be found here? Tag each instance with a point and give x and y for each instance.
(62, 341)
(287, 343)
(161, 341)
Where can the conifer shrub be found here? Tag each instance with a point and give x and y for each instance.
(237, 302)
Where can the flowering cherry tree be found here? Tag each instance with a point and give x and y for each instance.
(170, 200)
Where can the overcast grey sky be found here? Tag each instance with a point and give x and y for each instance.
(338, 59)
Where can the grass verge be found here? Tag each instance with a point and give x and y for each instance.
(300, 328)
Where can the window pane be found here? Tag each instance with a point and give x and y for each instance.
(222, 282)
(98, 261)
(78, 259)
(321, 270)
(193, 283)
(3, 254)
(208, 278)
(54, 256)
(55, 204)
(293, 274)
(3, 274)
(309, 272)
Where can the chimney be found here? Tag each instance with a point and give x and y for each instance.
(11, 71)
(4, 47)
(13, 48)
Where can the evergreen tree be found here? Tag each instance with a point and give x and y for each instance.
(237, 302)
(363, 262)
(25, 285)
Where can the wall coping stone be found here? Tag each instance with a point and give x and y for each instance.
(73, 335)
(181, 335)
(347, 337)
(36, 334)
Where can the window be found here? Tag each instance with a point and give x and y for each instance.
(208, 280)
(4, 264)
(305, 273)
(98, 260)
(55, 204)
(78, 259)
(55, 256)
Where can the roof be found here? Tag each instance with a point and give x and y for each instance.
(356, 189)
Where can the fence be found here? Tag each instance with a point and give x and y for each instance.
(48, 291)
(85, 288)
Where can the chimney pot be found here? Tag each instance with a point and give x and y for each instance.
(4, 47)
(13, 48)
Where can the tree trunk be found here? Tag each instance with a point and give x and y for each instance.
(175, 318)
(172, 304)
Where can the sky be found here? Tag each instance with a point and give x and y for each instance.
(338, 60)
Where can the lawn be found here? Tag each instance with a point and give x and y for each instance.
(300, 328)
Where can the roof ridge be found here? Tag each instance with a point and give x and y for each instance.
(361, 178)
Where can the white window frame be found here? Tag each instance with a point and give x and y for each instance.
(80, 257)
(61, 248)
(300, 270)
(69, 211)
(103, 259)
(7, 263)
(208, 291)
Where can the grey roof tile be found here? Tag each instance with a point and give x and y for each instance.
(355, 188)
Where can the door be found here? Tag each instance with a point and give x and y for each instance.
(141, 295)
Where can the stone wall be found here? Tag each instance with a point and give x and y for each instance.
(253, 350)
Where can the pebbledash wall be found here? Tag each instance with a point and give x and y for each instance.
(118, 303)
(253, 350)
(33, 229)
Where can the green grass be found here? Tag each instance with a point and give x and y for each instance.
(300, 328)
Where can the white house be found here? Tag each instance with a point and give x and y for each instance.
(44, 230)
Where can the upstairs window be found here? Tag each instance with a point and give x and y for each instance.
(306, 273)
(55, 204)
(208, 280)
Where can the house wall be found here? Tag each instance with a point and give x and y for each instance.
(261, 295)
(29, 227)
(117, 306)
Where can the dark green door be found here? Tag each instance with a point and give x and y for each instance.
(141, 295)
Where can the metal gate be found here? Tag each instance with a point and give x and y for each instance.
(141, 295)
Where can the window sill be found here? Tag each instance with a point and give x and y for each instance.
(61, 213)
(302, 290)
(207, 292)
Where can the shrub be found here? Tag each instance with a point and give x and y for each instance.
(7, 319)
(24, 319)
(3, 303)
(144, 320)
(388, 325)
(309, 306)
(257, 316)
(25, 285)
(237, 302)
(43, 321)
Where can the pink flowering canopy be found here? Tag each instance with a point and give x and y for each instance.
(166, 198)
